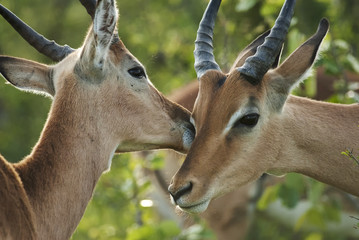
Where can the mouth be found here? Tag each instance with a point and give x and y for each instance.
(196, 208)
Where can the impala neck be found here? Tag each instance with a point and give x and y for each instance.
(312, 136)
(60, 174)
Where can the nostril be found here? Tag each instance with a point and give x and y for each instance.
(177, 193)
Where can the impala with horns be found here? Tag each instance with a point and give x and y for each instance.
(103, 101)
(247, 123)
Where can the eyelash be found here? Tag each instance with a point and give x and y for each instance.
(249, 120)
(137, 72)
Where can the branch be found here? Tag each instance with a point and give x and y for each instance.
(349, 152)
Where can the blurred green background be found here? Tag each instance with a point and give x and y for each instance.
(160, 33)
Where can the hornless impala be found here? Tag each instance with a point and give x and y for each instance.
(102, 101)
(247, 123)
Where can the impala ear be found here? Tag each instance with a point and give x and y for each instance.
(101, 35)
(27, 75)
(290, 72)
(251, 49)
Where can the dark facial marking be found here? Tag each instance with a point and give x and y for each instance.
(221, 81)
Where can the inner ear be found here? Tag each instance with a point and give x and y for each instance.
(282, 79)
(99, 38)
(104, 24)
(251, 49)
(277, 59)
(297, 64)
(27, 75)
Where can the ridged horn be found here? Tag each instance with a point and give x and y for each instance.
(257, 65)
(49, 48)
(203, 52)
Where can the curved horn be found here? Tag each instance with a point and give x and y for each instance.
(256, 66)
(90, 6)
(49, 48)
(203, 52)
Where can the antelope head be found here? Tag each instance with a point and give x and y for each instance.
(101, 85)
(235, 114)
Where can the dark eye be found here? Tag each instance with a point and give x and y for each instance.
(137, 72)
(249, 120)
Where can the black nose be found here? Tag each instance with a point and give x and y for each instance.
(176, 194)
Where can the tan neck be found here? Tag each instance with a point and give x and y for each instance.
(60, 174)
(313, 135)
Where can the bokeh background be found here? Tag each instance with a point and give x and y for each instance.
(160, 33)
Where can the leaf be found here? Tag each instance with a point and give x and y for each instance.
(331, 213)
(269, 196)
(345, 153)
(157, 162)
(314, 236)
(289, 196)
(300, 222)
(315, 218)
(311, 217)
(315, 191)
(169, 229)
(295, 181)
(141, 233)
(353, 62)
(245, 5)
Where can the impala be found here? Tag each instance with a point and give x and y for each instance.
(247, 123)
(102, 101)
(231, 216)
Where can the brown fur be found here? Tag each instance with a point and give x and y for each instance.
(97, 107)
(15, 209)
(292, 135)
(228, 216)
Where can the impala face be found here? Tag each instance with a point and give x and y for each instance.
(132, 111)
(104, 82)
(235, 114)
(230, 122)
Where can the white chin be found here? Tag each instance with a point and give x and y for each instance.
(198, 208)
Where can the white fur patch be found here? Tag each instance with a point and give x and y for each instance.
(235, 116)
(110, 161)
(192, 121)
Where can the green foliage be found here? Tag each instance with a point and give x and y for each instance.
(314, 236)
(160, 34)
(289, 192)
(270, 195)
(357, 225)
(162, 230)
(197, 232)
(116, 212)
(349, 153)
(322, 211)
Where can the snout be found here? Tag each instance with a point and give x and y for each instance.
(181, 117)
(188, 195)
